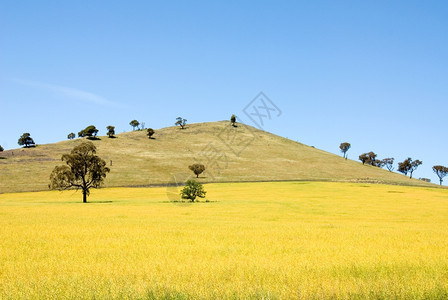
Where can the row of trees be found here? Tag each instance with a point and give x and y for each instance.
(408, 166)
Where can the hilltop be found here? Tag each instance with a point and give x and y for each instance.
(230, 154)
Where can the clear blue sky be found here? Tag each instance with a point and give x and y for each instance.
(372, 73)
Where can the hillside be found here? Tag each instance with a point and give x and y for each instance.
(229, 153)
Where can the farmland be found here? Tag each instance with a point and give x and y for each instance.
(249, 240)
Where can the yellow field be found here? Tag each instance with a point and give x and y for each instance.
(251, 240)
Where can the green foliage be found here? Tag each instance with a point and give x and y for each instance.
(233, 120)
(89, 132)
(389, 163)
(150, 132)
(192, 190)
(134, 123)
(344, 148)
(26, 140)
(364, 158)
(71, 136)
(110, 131)
(197, 169)
(181, 122)
(408, 166)
(441, 171)
(84, 170)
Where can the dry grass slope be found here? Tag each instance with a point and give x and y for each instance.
(230, 154)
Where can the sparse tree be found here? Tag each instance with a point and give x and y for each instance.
(197, 169)
(192, 190)
(233, 120)
(181, 122)
(142, 125)
(110, 131)
(84, 170)
(90, 132)
(441, 172)
(26, 140)
(364, 158)
(344, 148)
(389, 163)
(408, 166)
(134, 123)
(150, 132)
(71, 136)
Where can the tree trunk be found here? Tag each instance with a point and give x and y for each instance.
(441, 181)
(84, 196)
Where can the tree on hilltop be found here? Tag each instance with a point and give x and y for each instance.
(181, 122)
(150, 132)
(197, 169)
(389, 163)
(344, 148)
(26, 140)
(84, 170)
(233, 120)
(364, 158)
(441, 172)
(71, 136)
(134, 123)
(110, 131)
(90, 132)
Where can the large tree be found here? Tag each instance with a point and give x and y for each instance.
(84, 170)
(441, 172)
(197, 169)
(181, 122)
(364, 158)
(26, 140)
(90, 132)
(344, 148)
(134, 123)
(110, 131)
(192, 190)
(408, 166)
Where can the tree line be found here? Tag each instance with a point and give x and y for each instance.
(408, 166)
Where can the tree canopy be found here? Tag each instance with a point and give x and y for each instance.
(90, 132)
(134, 123)
(110, 131)
(150, 132)
(26, 140)
(233, 120)
(197, 169)
(192, 190)
(409, 166)
(83, 170)
(71, 136)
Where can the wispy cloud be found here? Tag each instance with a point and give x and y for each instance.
(68, 92)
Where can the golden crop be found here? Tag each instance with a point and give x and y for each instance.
(300, 240)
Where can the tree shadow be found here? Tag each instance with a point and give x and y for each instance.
(113, 137)
(93, 138)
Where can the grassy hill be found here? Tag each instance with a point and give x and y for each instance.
(229, 153)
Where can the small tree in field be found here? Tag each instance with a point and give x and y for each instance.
(344, 148)
(26, 140)
(441, 172)
(192, 190)
(233, 120)
(197, 169)
(84, 170)
(71, 136)
(150, 132)
(110, 131)
(1, 148)
(181, 122)
(90, 132)
(134, 123)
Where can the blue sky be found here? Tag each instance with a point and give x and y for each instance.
(372, 73)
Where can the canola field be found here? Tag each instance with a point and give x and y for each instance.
(283, 240)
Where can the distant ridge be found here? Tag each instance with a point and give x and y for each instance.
(230, 154)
